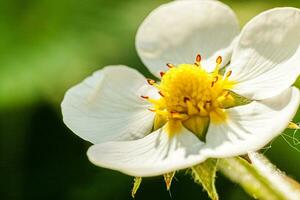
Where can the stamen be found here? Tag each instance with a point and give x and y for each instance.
(150, 81)
(145, 97)
(219, 60)
(212, 84)
(162, 74)
(226, 94)
(214, 81)
(152, 110)
(198, 60)
(185, 99)
(170, 65)
(177, 115)
(228, 73)
(161, 94)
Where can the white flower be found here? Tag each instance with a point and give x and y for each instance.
(263, 61)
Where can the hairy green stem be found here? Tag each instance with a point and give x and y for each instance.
(260, 178)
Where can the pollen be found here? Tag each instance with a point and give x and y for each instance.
(188, 92)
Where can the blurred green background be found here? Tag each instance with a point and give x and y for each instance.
(46, 46)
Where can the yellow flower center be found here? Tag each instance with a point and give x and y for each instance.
(190, 96)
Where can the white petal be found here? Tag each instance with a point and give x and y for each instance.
(156, 154)
(266, 59)
(252, 126)
(176, 32)
(107, 106)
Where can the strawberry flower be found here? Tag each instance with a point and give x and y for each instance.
(232, 99)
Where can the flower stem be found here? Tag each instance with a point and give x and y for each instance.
(260, 178)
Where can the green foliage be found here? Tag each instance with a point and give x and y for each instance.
(46, 47)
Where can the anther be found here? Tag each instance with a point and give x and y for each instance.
(198, 58)
(162, 74)
(185, 99)
(145, 97)
(219, 60)
(170, 65)
(161, 94)
(228, 73)
(216, 79)
(152, 110)
(150, 81)
(174, 113)
(212, 84)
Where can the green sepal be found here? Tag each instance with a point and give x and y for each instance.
(205, 174)
(136, 185)
(238, 101)
(297, 83)
(168, 177)
(197, 125)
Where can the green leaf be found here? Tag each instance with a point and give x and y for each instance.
(136, 185)
(205, 174)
